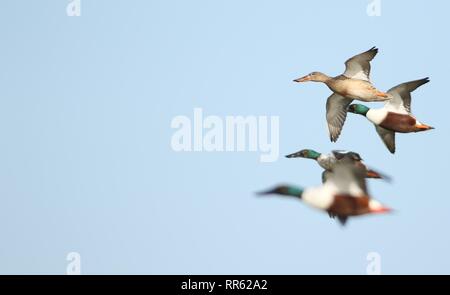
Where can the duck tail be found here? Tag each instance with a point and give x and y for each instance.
(381, 210)
(383, 95)
(377, 175)
(423, 127)
(373, 174)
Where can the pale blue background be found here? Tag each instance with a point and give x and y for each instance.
(85, 157)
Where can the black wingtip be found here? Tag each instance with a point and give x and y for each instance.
(423, 81)
(342, 220)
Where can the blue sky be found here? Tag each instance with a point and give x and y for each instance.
(87, 166)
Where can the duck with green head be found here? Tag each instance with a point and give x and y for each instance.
(344, 194)
(329, 161)
(396, 115)
(354, 83)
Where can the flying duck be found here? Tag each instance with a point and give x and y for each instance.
(354, 83)
(328, 161)
(344, 194)
(396, 115)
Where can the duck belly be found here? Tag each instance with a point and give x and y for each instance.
(362, 95)
(399, 123)
(348, 205)
(357, 89)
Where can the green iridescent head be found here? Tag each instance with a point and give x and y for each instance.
(308, 154)
(358, 109)
(285, 190)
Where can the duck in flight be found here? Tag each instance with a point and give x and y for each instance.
(396, 115)
(354, 83)
(329, 161)
(344, 194)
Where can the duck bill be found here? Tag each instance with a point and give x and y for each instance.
(303, 79)
(296, 155)
(266, 193)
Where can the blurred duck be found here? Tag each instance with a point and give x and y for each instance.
(353, 84)
(396, 115)
(344, 194)
(329, 161)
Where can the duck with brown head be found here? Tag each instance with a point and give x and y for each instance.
(314, 77)
(354, 83)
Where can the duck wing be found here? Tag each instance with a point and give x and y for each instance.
(356, 158)
(401, 96)
(358, 67)
(326, 175)
(348, 178)
(339, 154)
(388, 137)
(336, 114)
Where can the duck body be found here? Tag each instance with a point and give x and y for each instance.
(329, 199)
(397, 122)
(347, 205)
(354, 83)
(344, 194)
(357, 89)
(330, 160)
(395, 116)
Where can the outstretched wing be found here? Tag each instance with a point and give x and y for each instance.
(358, 67)
(388, 137)
(336, 114)
(348, 178)
(341, 154)
(401, 96)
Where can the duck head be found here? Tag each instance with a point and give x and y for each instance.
(284, 190)
(358, 109)
(314, 77)
(308, 154)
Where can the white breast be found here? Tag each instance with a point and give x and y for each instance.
(355, 190)
(377, 116)
(326, 161)
(319, 197)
